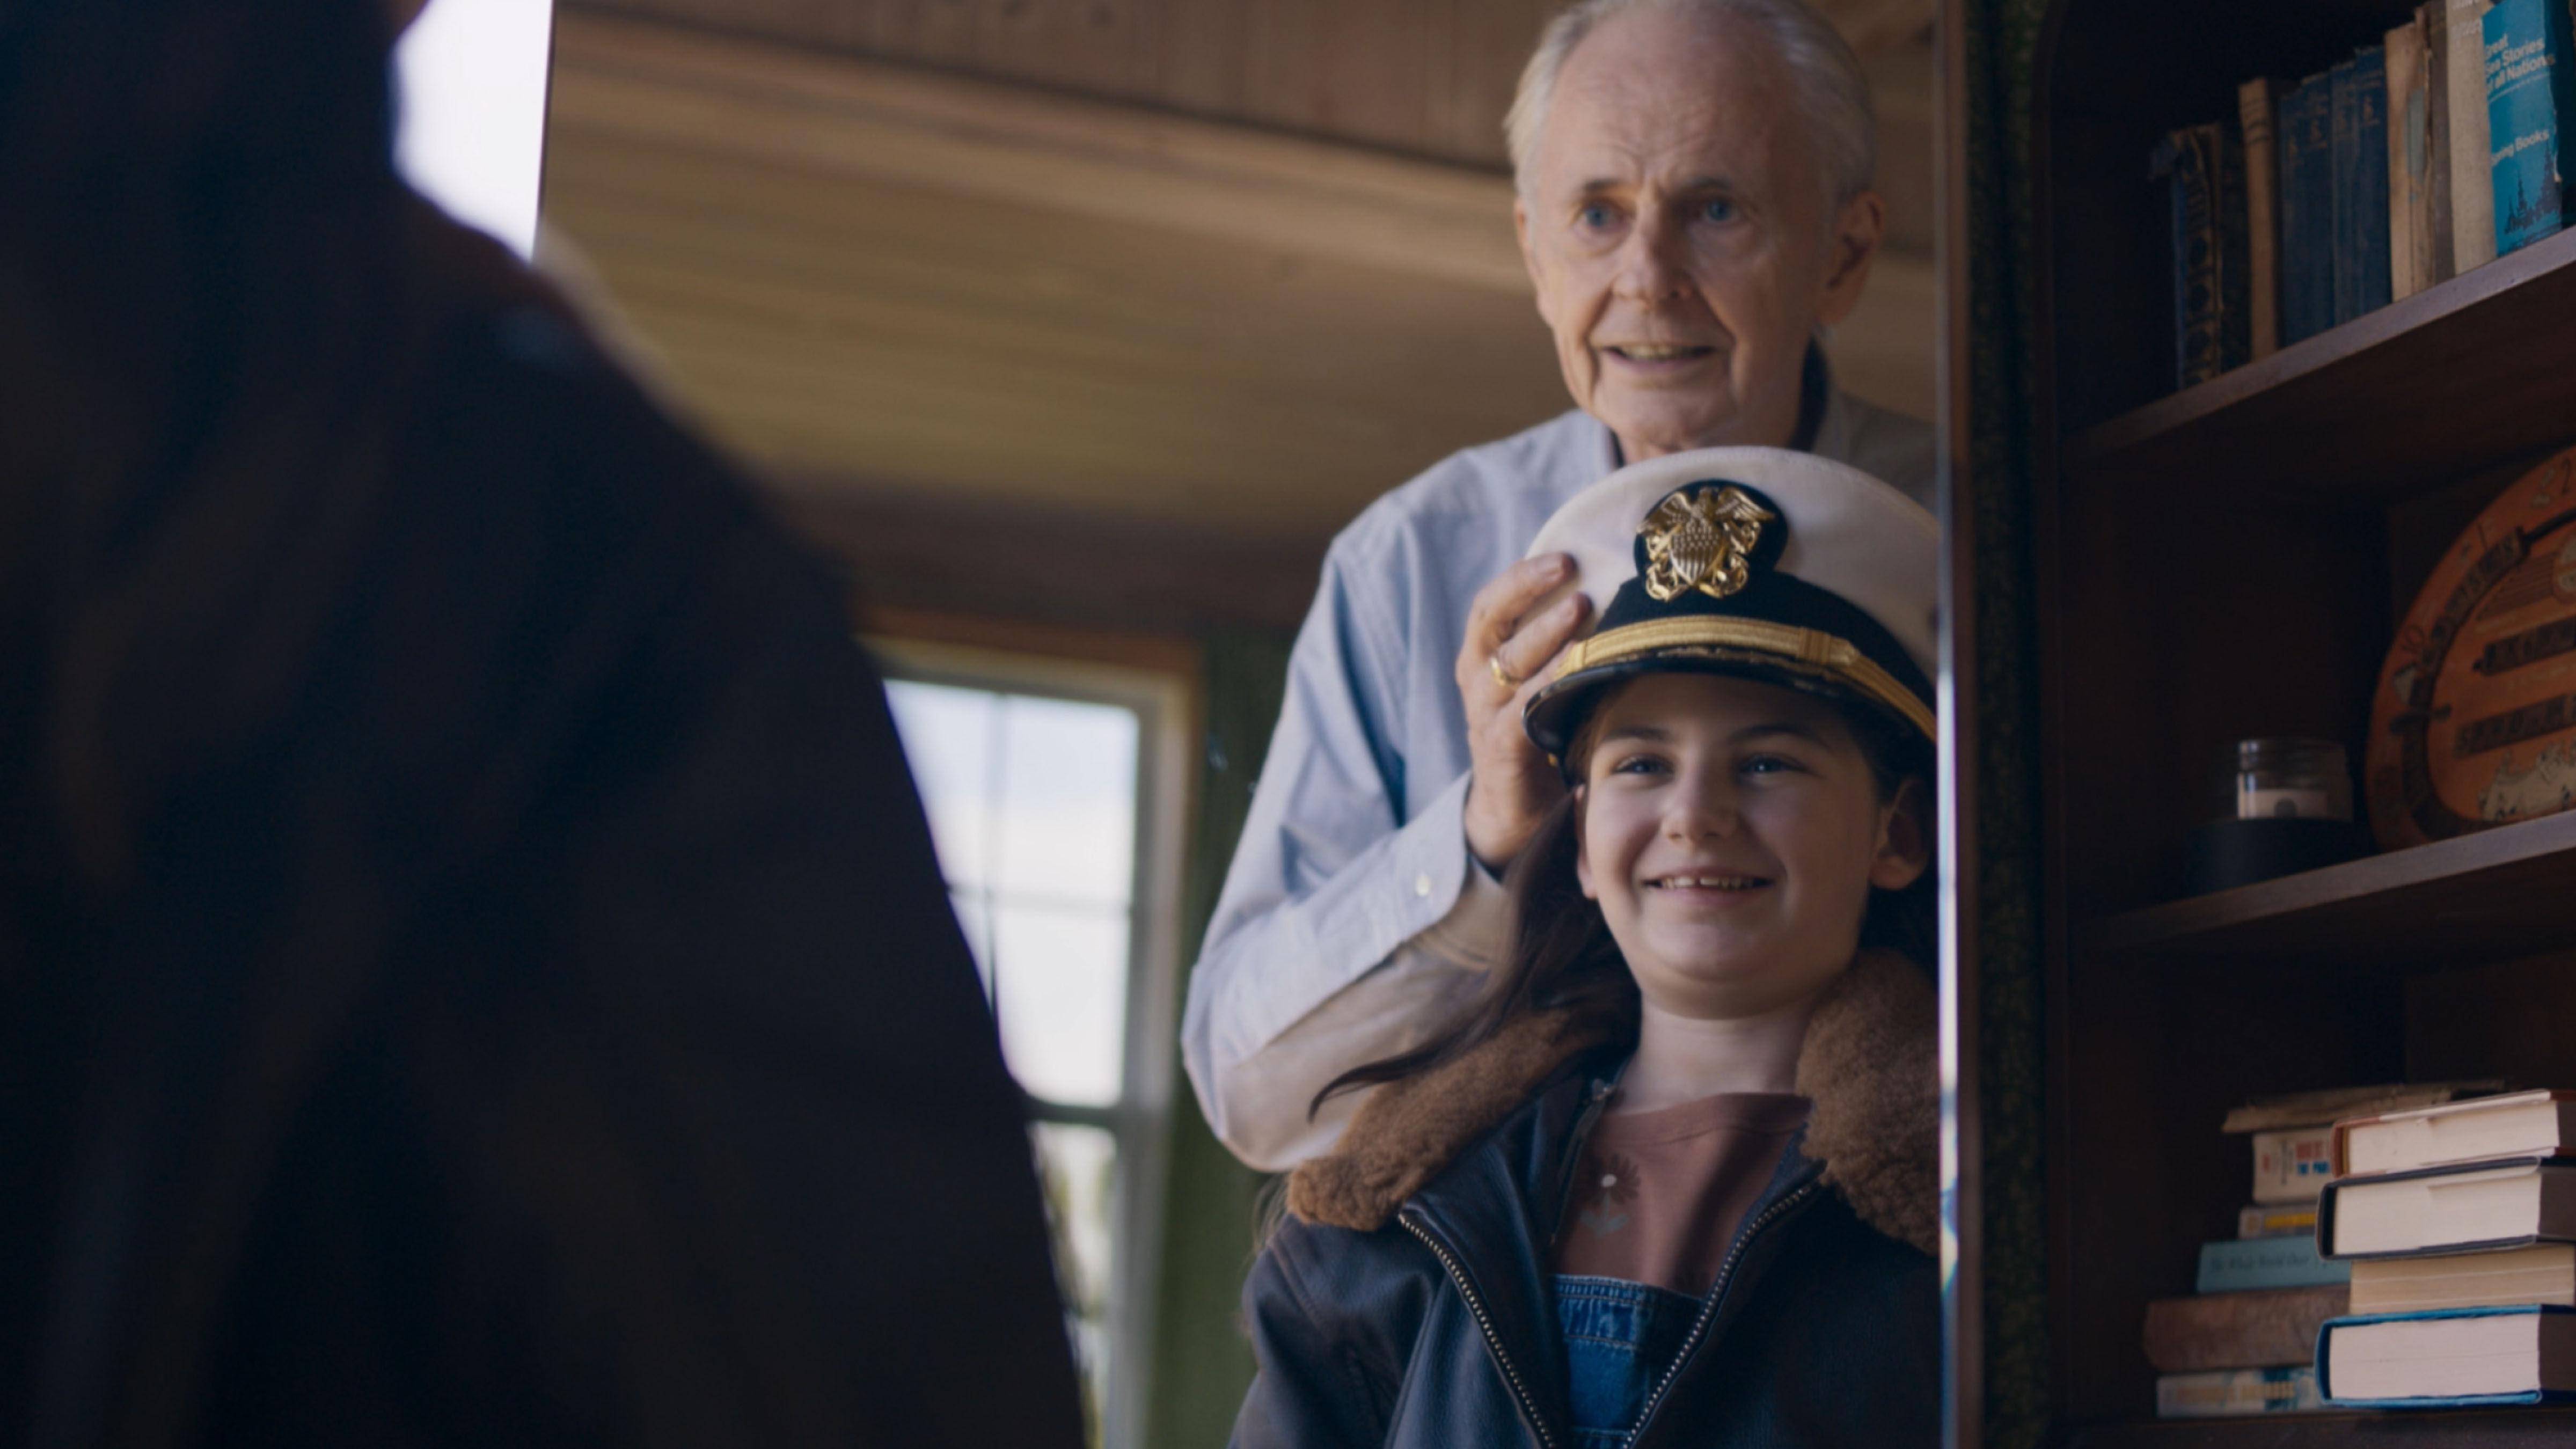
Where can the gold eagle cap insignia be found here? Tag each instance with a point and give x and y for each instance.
(1702, 538)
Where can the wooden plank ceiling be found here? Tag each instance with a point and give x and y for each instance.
(1107, 311)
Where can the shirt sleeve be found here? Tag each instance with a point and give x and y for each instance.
(1344, 930)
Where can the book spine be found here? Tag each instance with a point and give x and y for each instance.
(2255, 101)
(2235, 246)
(2472, 184)
(2307, 210)
(2187, 163)
(2436, 35)
(2368, 212)
(2526, 68)
(2293, 1164)
(2240, 1264)
(2261, 1329)
(2228, 1393)
(2164, 167)
(2343, 138)
(2405, 51)
(2359, 114)
(2261, 1221)
(2543, 1273)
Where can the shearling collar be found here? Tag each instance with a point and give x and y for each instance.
(1869, 1064)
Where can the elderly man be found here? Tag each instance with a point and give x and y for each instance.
(1693, 204)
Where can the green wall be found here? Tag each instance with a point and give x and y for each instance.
(1201, 1361)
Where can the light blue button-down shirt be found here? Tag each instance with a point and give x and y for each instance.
(1354, 919)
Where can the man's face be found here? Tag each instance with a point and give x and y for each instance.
(1682, 238)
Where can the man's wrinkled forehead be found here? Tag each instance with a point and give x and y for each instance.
(1696, 103)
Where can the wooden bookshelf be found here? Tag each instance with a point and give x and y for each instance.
(2225, 562)
(2547, 1428)
(2490, 895)
(2434, 409)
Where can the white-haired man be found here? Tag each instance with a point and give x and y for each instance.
(1693, 204)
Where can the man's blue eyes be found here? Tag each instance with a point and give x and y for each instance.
(1598, 216)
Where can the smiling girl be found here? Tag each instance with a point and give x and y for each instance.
(1671, 1179)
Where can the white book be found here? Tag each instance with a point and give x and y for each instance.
(2292, 1164)
(2490, 1354)
(2520, 1124)
(2448, 1210)
(2541, 1273)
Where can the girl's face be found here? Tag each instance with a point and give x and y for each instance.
(1731, 831)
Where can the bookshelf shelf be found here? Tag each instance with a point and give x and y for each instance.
(2544, 1428)
(2497, 893)
(2467, 375)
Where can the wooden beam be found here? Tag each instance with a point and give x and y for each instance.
(911, 552)
(667, 85)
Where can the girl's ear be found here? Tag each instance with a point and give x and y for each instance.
(1582, 862)
(1904, 839)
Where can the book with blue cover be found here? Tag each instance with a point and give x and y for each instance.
(2237, 1264)
(2200, 171)
(2530, 87)
(2449, 1358)
(2357, 110)
(2305, 131)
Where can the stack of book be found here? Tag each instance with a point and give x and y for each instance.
(2245, 1343)
(2402, 165)
(2459, 1224)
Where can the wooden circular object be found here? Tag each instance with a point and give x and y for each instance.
(2473, 722)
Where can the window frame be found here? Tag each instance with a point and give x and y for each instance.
(1166, 707)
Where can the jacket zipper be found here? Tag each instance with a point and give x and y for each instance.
(1716, 1294)
(1493, 1340)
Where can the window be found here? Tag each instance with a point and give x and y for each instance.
(1054, 793)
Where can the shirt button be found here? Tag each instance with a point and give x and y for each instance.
(1422, 885)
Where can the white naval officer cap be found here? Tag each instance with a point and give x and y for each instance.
(1759, 562)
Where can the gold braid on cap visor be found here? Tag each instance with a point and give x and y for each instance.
(1756, 641)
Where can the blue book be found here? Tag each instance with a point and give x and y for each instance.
(2357, 108)
(2305, 132)
(2199, 170)
(2528, 93)
(2446, 1358)
(2237, 1264)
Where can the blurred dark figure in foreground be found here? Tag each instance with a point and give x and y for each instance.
(472, 969)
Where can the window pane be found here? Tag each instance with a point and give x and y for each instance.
(1062, 975)
(950, 739)
(1069, 778)
(1079, 1169)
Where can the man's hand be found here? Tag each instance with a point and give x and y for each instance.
(1507, 656)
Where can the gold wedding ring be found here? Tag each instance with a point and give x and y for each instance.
(1502, 676)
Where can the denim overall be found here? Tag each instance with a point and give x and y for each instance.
(1619, 1338)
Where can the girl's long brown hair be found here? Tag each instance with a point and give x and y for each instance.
(1561, 956)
